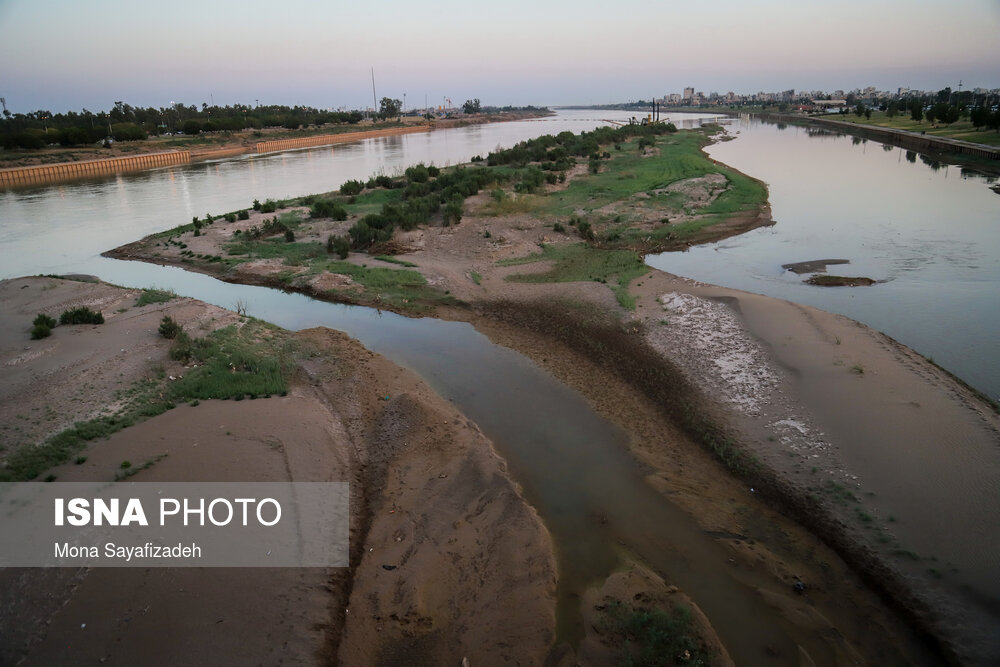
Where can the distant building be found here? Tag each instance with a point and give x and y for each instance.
(688, 93)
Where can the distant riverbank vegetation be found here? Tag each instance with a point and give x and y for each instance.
(42, 128)
(124, 122)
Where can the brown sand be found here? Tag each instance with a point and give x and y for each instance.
(429, 496)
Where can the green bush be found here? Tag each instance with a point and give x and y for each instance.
(269, 206)
(169, 328)
(289, 236)
(81, 315)
(418, 173)
(44, 320)
(352, 188)
(243, 215)
(40, 331)
(339, 244)
(230, 217)
(325, 208)
(256, 204)
(453, 212)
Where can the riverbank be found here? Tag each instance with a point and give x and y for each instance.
(983, 157)
(770, 394)
(26, 169)
(437, 525)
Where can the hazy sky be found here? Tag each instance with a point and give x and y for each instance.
(69, 54)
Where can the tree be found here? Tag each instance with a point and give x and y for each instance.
(979, 116)
(892, 110)
(917, 110)
(472, 106)
(868, 113)
(859, 110)
(389, 108)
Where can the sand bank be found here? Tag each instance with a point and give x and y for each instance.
(429, 498)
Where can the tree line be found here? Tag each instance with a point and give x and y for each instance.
(125, 122)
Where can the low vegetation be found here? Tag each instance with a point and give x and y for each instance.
(616, 268)
(81, 315)
(653, 637)
(247, 362)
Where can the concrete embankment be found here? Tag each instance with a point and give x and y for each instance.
(67, 171)
(50, 173)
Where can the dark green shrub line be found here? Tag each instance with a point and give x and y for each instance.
(81, 315)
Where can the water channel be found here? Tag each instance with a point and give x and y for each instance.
(572, 464)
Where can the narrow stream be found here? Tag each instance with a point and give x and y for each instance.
(573, 465)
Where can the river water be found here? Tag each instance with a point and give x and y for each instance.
(556, 446)
(929, 232)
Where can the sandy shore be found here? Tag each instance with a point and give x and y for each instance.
(430, 499)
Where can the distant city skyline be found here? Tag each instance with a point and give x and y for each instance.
(62, 55)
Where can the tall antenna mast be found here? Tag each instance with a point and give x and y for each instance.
(374, 98)
(3, 101)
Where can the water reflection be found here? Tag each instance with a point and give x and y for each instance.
(931, 239)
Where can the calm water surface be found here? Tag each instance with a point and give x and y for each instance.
(929, 231)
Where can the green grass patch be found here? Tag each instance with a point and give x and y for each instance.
(394, 260)
(153, 295)
(293, 254)
(629, 173)
(232, 363)
(372, 201)
(653, 637)
(142, 401)
(961, 129)
(579, 262)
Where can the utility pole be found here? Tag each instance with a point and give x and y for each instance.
(374, 97)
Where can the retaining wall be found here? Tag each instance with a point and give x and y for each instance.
(63, 171)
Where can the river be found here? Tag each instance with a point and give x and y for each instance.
(553, 446)
(928, 232)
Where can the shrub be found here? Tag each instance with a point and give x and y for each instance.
(558, 228)
(269, 206)
(325, 208)
(256, 204)
(453, 212)
(243, 215)
(433, 171)
(417, 173)
(81, 315)
(585, 229)
(289, 236)
(352, 188)
(44, 320)
(230, 217)
(169, 328)
(339, 244)
(40, 331)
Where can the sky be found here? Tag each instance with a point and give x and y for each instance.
(61, 55)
